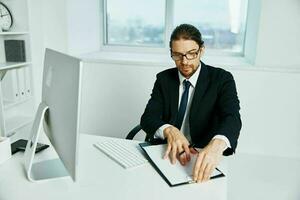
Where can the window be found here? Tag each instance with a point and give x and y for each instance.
(135, 22)
(221, 22)
(143, 23)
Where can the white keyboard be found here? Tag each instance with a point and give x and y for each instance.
(122, 151)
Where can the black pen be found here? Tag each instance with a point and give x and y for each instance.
(190, 146)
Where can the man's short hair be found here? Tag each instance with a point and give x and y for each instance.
(186, 32)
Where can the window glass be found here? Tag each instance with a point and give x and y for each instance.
(135, 22)
(221, 22)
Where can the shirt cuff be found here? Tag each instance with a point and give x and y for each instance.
(159, 133)
(225, 139)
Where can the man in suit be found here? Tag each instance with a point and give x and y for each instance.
(193, 104)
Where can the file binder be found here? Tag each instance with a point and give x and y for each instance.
(10, 86)
(27, 81)
(176, 174)
(21, 82)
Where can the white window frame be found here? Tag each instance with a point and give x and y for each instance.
(249, 47)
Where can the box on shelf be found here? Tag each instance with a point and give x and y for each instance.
(14, 50)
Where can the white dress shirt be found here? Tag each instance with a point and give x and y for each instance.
(185, 127)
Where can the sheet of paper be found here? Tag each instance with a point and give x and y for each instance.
(175, 173)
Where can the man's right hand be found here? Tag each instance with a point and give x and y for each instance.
(177, 143)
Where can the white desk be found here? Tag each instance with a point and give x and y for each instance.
(258, 177)
(101, 178)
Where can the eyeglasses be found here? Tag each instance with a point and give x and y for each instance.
(189, 55)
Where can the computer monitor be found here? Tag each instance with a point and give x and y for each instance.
(58, 114)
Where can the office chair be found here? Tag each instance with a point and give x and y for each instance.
(137, 129)
(133, 132)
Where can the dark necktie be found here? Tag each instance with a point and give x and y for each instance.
(183, 104)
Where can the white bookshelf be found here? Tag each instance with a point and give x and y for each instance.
(16, 95)
(11, 65)
(14, 33)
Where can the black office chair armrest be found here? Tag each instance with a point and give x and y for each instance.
(153, 141)
(133, 132)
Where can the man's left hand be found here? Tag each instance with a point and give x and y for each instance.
(208, 159)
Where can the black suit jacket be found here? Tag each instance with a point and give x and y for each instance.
(214, 109)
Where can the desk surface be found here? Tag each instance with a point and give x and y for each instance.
(100, 177)
(248, 177)
(263, 177)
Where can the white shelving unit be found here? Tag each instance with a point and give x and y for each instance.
(12, 65)
(14, 33)
(16, 95)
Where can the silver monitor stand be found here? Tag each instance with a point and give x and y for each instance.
(42, 170)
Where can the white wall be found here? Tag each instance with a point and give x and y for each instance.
(71, 26)
(114, 97)
(270, 112)
(83, 26)
(278, 42)
(55, 30)
(47, 24)
(37, 45)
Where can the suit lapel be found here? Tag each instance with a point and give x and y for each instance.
(201, 86)
(174, 95)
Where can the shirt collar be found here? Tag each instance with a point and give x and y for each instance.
(193, 79)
